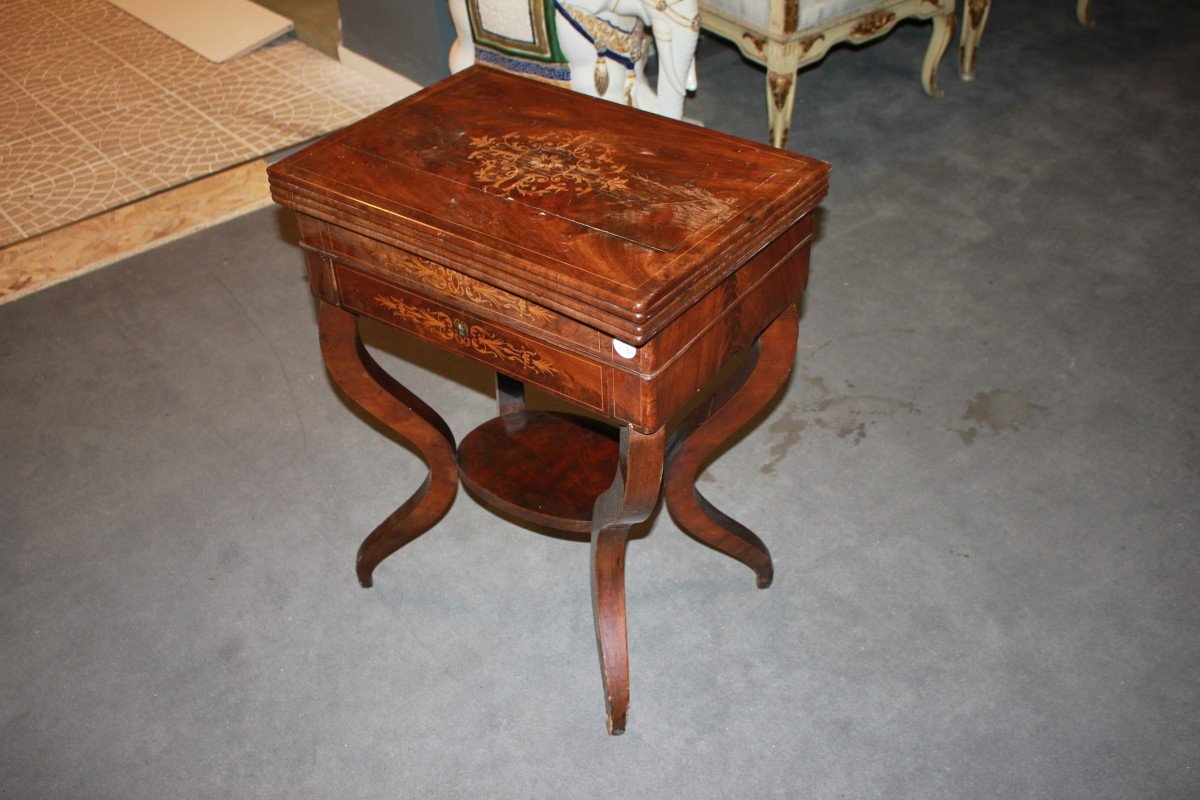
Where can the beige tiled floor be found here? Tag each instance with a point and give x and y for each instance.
(98, 109)
(43, 261)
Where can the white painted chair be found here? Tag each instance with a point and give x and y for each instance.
(975, 15)
(785, 35)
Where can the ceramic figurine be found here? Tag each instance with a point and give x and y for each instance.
(597, 47)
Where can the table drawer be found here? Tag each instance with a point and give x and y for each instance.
(496, 346)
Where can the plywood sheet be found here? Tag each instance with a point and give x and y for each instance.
(60, 255)
(219, 30)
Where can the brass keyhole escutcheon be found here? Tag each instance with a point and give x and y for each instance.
(460, 328)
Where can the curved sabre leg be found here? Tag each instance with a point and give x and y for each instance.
(939, 42)
(734, 404)
(629, 500)
(381, 396)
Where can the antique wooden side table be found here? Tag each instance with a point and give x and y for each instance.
(611, 257)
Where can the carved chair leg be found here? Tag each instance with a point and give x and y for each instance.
(1083, 10)
(629, 500)
(975, 16)
(781, 96)
(939, 42)
(381, 396)
(731, 406)
(510, 394)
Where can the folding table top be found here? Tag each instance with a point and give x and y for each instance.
(588, 207)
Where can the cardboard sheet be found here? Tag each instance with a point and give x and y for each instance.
(219, 30)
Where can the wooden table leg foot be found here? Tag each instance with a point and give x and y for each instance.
(629, 500)
(731, 406)
(381, 396)
(608, 602)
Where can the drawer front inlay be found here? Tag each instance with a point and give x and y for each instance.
(493, 345)
(482, 341)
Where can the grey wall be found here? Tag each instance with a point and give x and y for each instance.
(411, 37)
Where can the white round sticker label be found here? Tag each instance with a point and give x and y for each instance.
(624, 350)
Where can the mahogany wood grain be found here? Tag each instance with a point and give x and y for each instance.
(693, 443)
(542, 467)
(649, 401)
(381, 396)
(630, 499)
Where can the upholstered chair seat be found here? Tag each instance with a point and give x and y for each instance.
(808, 14)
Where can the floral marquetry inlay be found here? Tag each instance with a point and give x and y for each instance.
(482, 341)
(436, 322)
(458, 285)
(545, 164)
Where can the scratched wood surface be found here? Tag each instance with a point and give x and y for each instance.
(602, 212)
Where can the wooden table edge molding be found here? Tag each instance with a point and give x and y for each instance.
(616, 259)
(634, 313)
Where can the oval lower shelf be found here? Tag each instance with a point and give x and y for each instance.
(540, 466)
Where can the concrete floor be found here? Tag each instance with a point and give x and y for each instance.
(981, 489)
